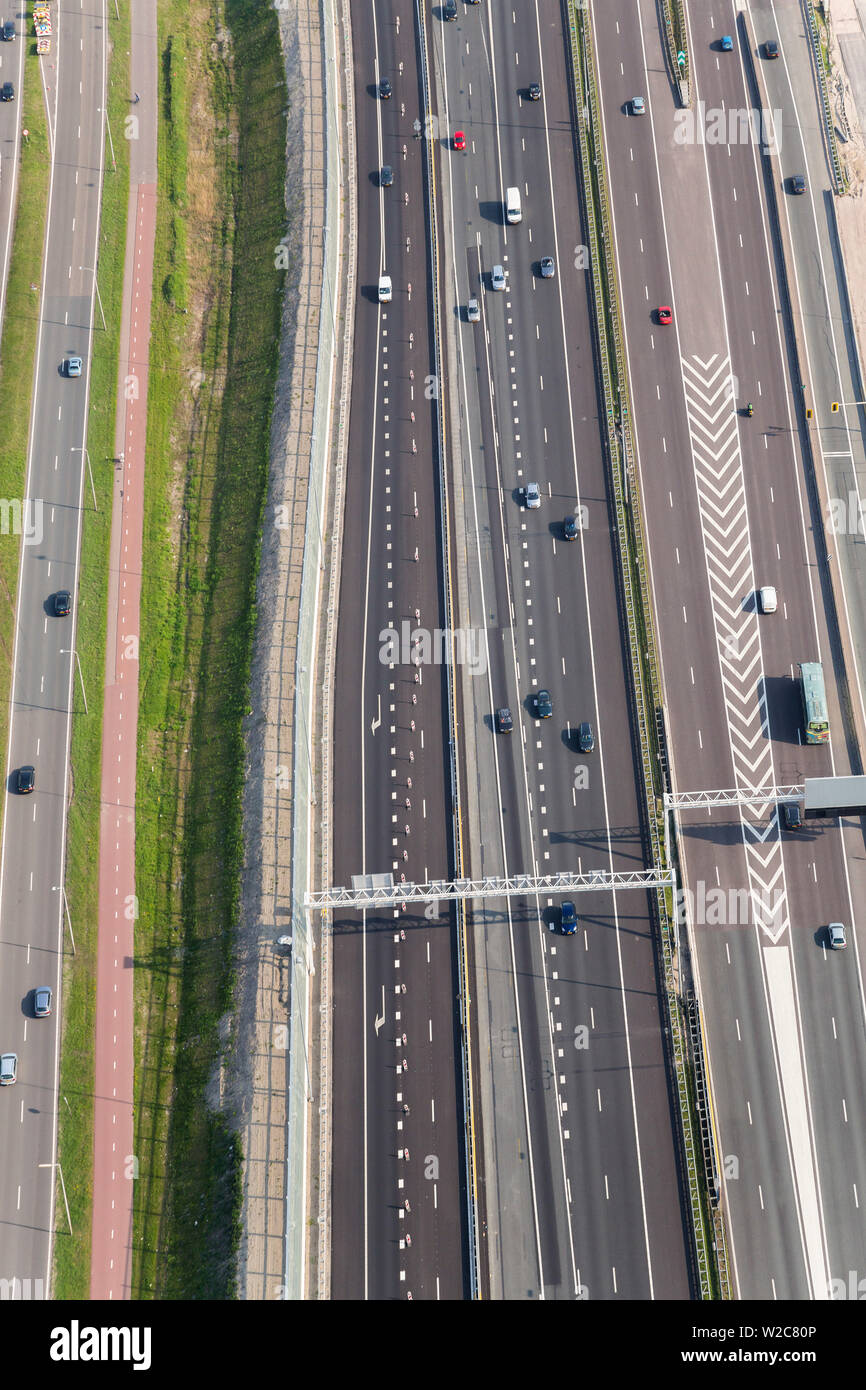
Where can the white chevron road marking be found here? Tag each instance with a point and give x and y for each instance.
(718, 470)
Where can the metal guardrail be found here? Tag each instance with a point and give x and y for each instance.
(839, 181)
(709, 1143)
(345, 207)
(676, 41)
(451, 666)
(646, 684)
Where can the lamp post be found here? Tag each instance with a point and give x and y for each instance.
(98, 295)
(70, 651)
(63, 1185)
(307, 740)
(60, 889)
(81, 449)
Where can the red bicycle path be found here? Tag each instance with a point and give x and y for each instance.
(114, 1161)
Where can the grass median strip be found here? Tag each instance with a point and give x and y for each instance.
(214, 344)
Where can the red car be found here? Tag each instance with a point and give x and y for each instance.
(459, 140)
(665, 315)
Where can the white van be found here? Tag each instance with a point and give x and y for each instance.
(768, 598)
(513, 211)
(384, 289)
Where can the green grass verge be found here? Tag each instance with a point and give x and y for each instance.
(75, 1147)
(207, 462)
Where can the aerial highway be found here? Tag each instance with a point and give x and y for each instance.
(580, 1189)
(31, 906)
(399, 1199)
(730, 508)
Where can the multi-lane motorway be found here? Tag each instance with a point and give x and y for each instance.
(575, 1141)
(31, 907)
(580, 1180)
(581, 1191)
(398, 1221)
(730, 509)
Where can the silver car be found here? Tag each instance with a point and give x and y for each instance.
(42, 1001)
(532, 495)
(547, 268)
(8, 1068)
(473, 313)
(836, 933)
(497, 278)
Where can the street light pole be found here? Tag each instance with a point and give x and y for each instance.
(63, 1185)
(110, 141)
(307, 742)
(70, 651)
(60, 889)
(81, 449)
(98, 295)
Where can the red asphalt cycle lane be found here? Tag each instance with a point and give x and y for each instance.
(113, 1129)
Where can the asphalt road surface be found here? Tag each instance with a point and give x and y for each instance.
(580, 1187)
(397, 1221)
(730, 508)
(31, 909)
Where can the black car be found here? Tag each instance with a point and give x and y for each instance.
(585, 737)
(8, 30)
(386, 177)
(26, 779)
(771, 49)
(793, 816)
(798, 183)
(449, 9)
(62, 603)
(7, 92)
(504, 721)
(543, 704)
(570, 528)
(384, 89)
(534, 92)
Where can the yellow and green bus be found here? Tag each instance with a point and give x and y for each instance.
(815, 720)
